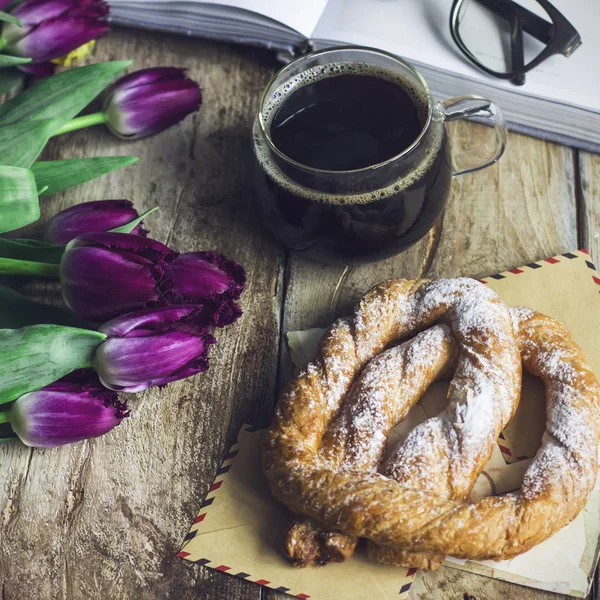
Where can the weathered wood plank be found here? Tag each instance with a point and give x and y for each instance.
(519, 210)
(589, 197)
(452, 584)
(104, 519)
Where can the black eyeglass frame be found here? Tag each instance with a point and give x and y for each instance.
(560, 36)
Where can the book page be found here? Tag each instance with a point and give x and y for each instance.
(418, 30)
(300, 16)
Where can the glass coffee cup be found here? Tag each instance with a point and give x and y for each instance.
(353, 162)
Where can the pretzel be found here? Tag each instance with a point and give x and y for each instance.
(483, 395)
(388, 387)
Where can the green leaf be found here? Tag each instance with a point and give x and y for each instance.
(62, 96)
(10, 79)
(19, 204)
(11, 61)
(38, 355)
(30, 242)
(59, 175)
(17, 311)
(4, 16)
(21, 248)
(21, 143)
(128, 227)
(31, 250)
(13, 266)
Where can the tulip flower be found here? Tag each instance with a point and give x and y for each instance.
(153, 347)
(144, 103)
(104, 275)
(72, 409)
(53, 28)
(102, 215)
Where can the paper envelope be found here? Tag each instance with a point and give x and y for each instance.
(239, 527)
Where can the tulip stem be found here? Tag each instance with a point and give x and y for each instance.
(4, 417)
(11, 266)
(81, 122)
(2, 43)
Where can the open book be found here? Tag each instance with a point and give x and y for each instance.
(560, 100)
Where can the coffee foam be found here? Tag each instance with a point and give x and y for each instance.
(277, 98)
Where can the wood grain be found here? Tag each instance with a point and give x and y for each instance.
(452, 584)
(589, 200)
(104, 519)
(520, 210)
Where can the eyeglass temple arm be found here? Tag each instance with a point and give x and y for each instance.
(517, 50)
(533, 24)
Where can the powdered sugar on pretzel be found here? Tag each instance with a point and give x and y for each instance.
(313, 461)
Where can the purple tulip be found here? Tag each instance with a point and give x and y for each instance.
(148, 101)
(88, 217)
(104, 275)
(53, 28)
(40, 70)
(72, 409)
(153, 347)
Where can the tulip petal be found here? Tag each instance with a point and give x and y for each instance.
(190, 371)
(135, 244)
(56, 37)
(87, 217)
(135, 273)
(98, 10)
(149, 101)
(144, 77)
(39, 70)
(34, 12)
(149, 110)
(150, 321)
(98, 284)
(132, 364)
(104, 275)
(197, 275)
(226, 313)
(66, 411)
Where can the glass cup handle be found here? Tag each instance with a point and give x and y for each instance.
(484, 112)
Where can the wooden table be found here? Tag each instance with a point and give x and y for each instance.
(104, 519)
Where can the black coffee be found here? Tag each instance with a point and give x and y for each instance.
(341, 118)
(346, 122)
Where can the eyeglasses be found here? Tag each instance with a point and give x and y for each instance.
(490, 33)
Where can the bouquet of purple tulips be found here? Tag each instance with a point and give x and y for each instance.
(139, 314)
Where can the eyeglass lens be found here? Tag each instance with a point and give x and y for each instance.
(493, 32)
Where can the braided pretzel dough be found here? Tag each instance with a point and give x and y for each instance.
(386, 390)
(445, 454)
(382, 396)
